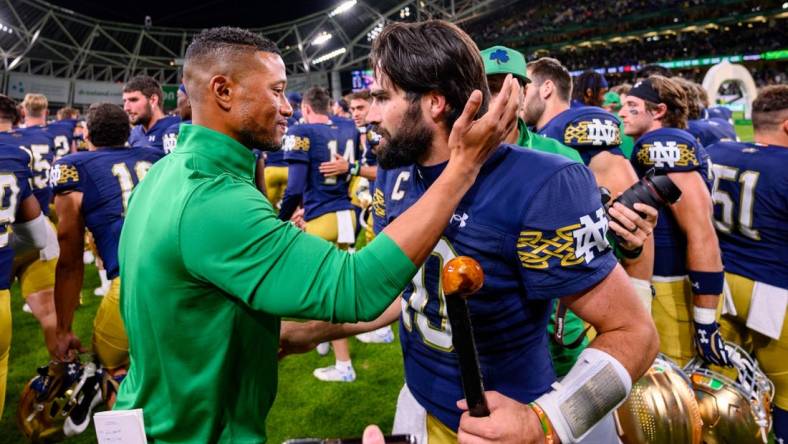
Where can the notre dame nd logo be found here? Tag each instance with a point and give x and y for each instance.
(667, 154)
(570, 246)
(593, 132)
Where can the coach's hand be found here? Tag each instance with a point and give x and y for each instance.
(509, 422)
(66, 347)
(472, 141)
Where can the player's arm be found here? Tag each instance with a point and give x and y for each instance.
(296, 184)
(694, 213)
(30, 226)
(301, 337)
(70, 269)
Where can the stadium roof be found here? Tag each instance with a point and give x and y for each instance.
(42, 38)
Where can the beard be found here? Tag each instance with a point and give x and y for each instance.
(533, 111)
(411, 142)
(251, 135)
(144, 118)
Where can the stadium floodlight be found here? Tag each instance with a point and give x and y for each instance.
(785, 5)
(322, 38)
(328, 56)
(343, 7)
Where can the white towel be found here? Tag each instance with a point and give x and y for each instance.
(767, 309)
(345, 232)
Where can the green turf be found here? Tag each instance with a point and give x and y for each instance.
(304, 405)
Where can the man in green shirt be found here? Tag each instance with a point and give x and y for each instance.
(207, 269)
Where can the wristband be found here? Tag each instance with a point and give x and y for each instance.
(704, 316)
(629, 254)
(547, 427)
(355, 167)
(706, 282)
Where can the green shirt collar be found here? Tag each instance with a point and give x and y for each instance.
(224, 152)
(525, 136)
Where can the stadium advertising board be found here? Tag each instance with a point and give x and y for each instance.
(54, 88)
(87, 92)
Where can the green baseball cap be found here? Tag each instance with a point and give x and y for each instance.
(612, 98)
(503, 60)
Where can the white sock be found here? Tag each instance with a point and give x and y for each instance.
(345, 366)
(103, 277)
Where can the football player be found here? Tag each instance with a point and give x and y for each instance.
(590, 89)
(22, 215)
(143, 102)
(688, 276)
(708, 131)
(92, 191)
(328, 212)
(750, 210)
(62, 131)
(170, 136)
(595, 134)
(36, 269)
(532, 250)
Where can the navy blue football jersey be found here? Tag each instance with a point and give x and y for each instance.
(751, 209)
(105, 178)
(711, 131)
(62, 131)
(719, 112)
(588, 129)
(153, 138)
(313, 144)
(40, 147)
(15, 187)
(537, 239)
(170, 136)
(668, 150)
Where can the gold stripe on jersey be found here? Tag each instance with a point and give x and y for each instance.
(535, 250)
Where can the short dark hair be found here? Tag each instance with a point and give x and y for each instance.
(674, 97)
(587, 80)
(318, 99)
(108, 125)
(694, 106)
(8, 109)
(653, 69)
(146, 85)
(432, 55)
(770, 108)
(360, 95)
(548, 68)
(224, 39)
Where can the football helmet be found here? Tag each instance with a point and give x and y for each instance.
(661, 408)
(58, 402)
(733, 411)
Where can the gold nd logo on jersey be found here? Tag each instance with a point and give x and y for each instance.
(667, 153)
(295, 143)
(594, 132)
(63, 174)
(571, 245)
(378, 203)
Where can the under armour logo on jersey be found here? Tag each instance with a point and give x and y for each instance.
(152, 138)
(696, 285)
(457, 218)
(603, 133)
(591, 235)
(662, 154)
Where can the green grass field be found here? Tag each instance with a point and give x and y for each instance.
(304, 406)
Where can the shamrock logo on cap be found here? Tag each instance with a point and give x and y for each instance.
(500, 56)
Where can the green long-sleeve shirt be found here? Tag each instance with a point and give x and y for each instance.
(207, 270)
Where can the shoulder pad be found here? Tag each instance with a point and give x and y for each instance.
(592, 127)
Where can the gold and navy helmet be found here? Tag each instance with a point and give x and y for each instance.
(661, 408)
(52, 399)
(733, 410)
